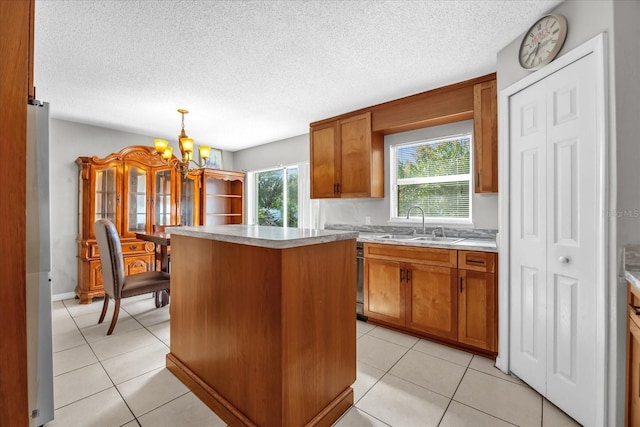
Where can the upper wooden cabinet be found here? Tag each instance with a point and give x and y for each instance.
(485, 131)
(347, 151)
(135, 189)
(346, 159)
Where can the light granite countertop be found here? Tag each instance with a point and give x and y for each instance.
(267, 237)
(632, 265)
(466, 244)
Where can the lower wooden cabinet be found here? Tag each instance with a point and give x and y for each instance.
(432, 302)
(441, 293)
(384, 295)
(478, 317)
(632, 406)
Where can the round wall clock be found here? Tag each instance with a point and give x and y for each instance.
(543, 41)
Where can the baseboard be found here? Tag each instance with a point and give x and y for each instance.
(60, 297)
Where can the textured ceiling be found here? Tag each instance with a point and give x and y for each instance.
(252, 72)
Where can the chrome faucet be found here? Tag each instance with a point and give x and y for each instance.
(433, 233)
(409, 211)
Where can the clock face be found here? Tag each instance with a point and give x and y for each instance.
(543, 41)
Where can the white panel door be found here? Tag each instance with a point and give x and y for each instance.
(528, 197)
(554, 216)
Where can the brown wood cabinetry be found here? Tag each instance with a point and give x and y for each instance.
(471, 99)
(411, 287)
(420, 290)
(477, 295)
(346, 159)
(135, 189)
(632, 398)
(222, 197)
(485, 131)
(251, 342)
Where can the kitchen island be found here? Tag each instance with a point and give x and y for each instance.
(262, 322)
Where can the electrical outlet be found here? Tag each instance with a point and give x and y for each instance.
(367, 220)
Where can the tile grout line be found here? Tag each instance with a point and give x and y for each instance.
(115, 387)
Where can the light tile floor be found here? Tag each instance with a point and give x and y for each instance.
(402, 381)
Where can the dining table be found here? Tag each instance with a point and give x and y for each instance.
(163, 241)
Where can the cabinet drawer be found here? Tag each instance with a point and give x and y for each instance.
(135, 246)
(477, 261)
(430, 256)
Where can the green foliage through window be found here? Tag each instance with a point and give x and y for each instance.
(273, 195)
(436, 176)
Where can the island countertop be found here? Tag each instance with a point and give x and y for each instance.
(263, 236)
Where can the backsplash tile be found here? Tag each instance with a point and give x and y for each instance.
(467, 233)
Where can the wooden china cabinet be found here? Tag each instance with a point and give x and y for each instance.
(136, 190)
(222, 197)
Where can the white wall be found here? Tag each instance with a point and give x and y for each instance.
(353, 211)
(284, 152)
(619, 19)
(68, 141)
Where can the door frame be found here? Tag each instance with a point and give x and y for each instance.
(597, 47)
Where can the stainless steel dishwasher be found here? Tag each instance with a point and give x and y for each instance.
(360, 281)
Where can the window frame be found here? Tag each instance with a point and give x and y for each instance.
(416, 217)
(251, 206)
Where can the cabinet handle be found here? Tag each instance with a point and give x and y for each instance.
(636, 310)
(476, 261)
(408, 276)
(461, 285)
(132, 247)
(401, 275)
(338, 184)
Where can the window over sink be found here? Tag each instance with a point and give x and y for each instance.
(434, 174)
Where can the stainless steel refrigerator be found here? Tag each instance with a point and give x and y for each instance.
(38, 257)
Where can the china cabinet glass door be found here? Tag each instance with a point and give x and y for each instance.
(188, 194)
(137, 196)
(106, 194)
(162, 198)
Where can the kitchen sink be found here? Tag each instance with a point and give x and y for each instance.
(435, 239)
(399, 237)
(419, 238)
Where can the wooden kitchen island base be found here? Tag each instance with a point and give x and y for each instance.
(232, 416)
(264, 335)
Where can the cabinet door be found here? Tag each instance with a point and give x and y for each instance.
(136, 199)
(384, 293)
(325, 161)
(355, 156)
(106, 200)
(485, 131)
(433, 301)
(163, 197)
(477, 321)
(633, 373)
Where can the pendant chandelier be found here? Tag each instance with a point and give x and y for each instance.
(186, 150)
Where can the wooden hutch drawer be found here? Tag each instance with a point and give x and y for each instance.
(131, 247)
(477, 261)
(430, 256)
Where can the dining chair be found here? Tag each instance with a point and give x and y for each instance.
(116, 284)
